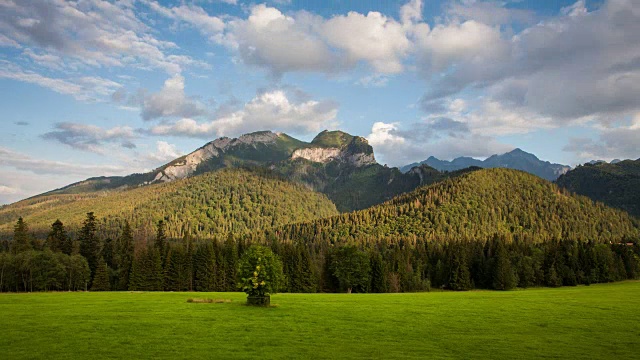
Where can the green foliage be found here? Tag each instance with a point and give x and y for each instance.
(146, 271)
(617, 185)
(351, 268)
(42, 271)
(89, 242)
(503, 275)
(332, 139)
(21, 238)
(260, 272)
(101, 280)
(57, 240)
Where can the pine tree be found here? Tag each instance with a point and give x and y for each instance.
(378, 281)
(204, 264)
(124, 256)
(230, 264)
(57, 238)
(503, 276)
(89, 243)
(460, 279)
(21, 238)
(161, 240)
(101, 280)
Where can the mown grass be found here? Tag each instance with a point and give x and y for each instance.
(596, 322)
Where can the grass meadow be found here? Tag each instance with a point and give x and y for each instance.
(594, 322)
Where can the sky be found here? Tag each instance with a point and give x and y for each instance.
(92, 87)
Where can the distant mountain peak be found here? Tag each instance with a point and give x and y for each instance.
(515, 159)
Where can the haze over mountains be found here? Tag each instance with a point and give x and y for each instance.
(515, 159)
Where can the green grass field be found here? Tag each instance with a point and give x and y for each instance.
(600, 321)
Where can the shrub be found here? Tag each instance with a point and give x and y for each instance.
(260, 272)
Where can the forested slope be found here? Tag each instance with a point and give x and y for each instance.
(213, 204)
(617, 185)
(476, 206)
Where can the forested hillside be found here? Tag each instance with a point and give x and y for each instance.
(478, 205)
(214, 204)
(616, 184)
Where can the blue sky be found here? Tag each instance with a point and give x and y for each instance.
(92, 87)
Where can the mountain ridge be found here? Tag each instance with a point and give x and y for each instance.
(515, 159)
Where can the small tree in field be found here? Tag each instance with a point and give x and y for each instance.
(259, 274)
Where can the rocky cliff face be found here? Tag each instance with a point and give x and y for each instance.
(186, 166)
(356, 153)
(321, 155)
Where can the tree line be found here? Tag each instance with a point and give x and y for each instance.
(91, 262)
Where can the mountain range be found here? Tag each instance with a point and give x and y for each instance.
(268, 180)
(515, 159)
(335, 163)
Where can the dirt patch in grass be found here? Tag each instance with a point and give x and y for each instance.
(208, 301)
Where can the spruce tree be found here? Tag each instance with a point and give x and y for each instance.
(161, 240)
(101, 280)
(21, 238)
(460, 279)
(89, 243)
(230, 263)
(204, 264)
(124, 256)
(503, 276)
(378, 281)
(57, 238)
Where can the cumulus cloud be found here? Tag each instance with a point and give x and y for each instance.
(373, 38)
(170, 101)
(92, 32)
(619, 142)
(306, 42)
(89, 137)
(575, 65)
(268, 110)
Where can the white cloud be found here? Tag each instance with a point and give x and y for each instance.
(269, 110)
(5, 190)
(165, 152)
(19, 161)
(399, 147)
(574, 66)
(488, 12)
(171, 101)
(617, 142)
(374, 80)
(85, 88)
(90, 137)
(193, 15)
(281, 43)
(468, 42)
(374, 38)
(302, 41)
(92, 32)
